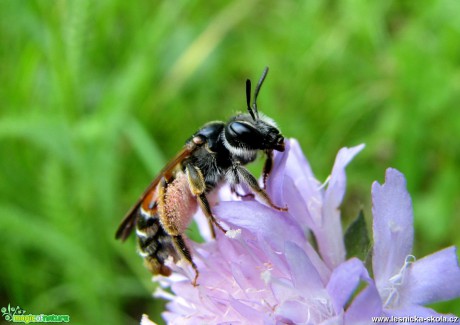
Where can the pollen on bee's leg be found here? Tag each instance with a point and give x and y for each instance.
(179, 206)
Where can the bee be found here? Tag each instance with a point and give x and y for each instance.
(216, 153)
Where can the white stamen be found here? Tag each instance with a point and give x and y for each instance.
(397, 281)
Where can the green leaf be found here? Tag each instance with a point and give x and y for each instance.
(357, 240)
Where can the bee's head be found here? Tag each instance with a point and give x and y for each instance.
(243, 132)
(253, 131)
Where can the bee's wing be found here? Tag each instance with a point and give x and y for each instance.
(129, 221)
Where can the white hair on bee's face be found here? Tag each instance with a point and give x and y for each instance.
(245, 153)
(268, 120)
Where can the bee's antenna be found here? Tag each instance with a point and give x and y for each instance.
(256, 91)
(248, 98)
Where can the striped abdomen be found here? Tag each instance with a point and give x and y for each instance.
(155, 245)
(163, 217)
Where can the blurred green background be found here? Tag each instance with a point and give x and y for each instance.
(96, 96)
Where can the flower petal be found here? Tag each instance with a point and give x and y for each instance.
(292, 312)
(275, 180)
(262, 220)
(329, 232)
(392, 227)
(292, 183)
(336, 320)
(304, 275)
(433, 278)
(337, 183)
(344, 281)
(250, 314)
(365, 305)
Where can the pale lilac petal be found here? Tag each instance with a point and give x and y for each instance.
(297, 306)
(392, 226)
(276, 177)
(433, 278)
(282, 289)
(298, 310)
(246, 277)
(258, 218)
(337, 182)
(297, 206)
(336, 320)
(303, 273)
(329, 232)
(344, 281)
(250, 314)
(307, 185)
(292, 162)
(365, 305)
(292, 312)
(292, 184)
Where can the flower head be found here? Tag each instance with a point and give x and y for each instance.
(266, 270)
(405, 284)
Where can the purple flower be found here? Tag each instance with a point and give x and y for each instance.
(266, 270)
(403, 284)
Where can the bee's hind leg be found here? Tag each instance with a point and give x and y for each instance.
(204, 204)
(198, 188)
(182, 249)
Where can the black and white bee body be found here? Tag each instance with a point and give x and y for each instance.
(217, 152)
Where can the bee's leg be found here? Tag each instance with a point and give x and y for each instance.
(245, 176)
(267, 166)
(171, 232)
(182, 249)
(204, 204)
(198, 188)
(238, 194)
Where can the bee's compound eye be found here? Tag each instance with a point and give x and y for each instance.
(243, 135)
(238, 129)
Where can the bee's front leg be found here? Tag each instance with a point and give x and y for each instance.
(267, 166)
(198, 188)
(240, 195)
(244, 175)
